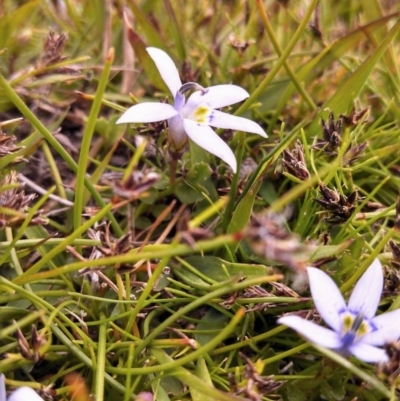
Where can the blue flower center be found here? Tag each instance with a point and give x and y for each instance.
(354, 327)
(201, 113)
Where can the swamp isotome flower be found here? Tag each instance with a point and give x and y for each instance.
(20, 394)
(193, 117)
(355, 328)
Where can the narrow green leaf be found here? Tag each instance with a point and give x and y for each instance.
(277, 95)
(203, 374)
(220, 270)
(53, 79)
(145, 60)
(158, 390)
(242, 213)
(48, 257)
(176, 30)
(328, 251)
(343, 99)
(193, 381)
(22, 15)
(87, 140)
(34, 232)
(271, 74)
(101, 362)
(9, 313)
(152, 36)
(213, 321)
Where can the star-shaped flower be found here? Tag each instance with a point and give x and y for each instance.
(193, 117)
(354, 327)
(20, 394)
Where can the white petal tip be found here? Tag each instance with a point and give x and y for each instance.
(147, 113)
(285, 319)
(124, 119)
(312, 332)
(121, 120)
(24, 394)
(257, 129)
(369, 353)
(152, 49)
(289, 320)
(166, 67)
(262, 133)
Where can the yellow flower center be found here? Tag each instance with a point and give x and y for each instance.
(357, 325)
(200, 115)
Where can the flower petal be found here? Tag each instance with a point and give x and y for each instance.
(24, 394)
(223, 120)
(179, 102)
(387, 328)
(2, 388)
(147, 113)
(166, 68)
(368, 353)
(314, 333)
(207, 139)
(217, 96)
(327, 298)
(367, 292)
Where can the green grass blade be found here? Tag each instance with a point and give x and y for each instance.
(87, 140)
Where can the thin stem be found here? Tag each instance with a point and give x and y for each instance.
(278, 50)
(150, 252)
(234, 185)
(271, 74)
(172, 171)
(86, 142)
(101, 362)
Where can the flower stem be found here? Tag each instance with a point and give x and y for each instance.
(79, 203)
(234, 185)
(172, 171)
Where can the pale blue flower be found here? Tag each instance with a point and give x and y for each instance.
(355, 328)
(193, 117)
(20, 394)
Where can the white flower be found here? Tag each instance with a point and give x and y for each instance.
(355, 328)
(20, 394)
(193, 117)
